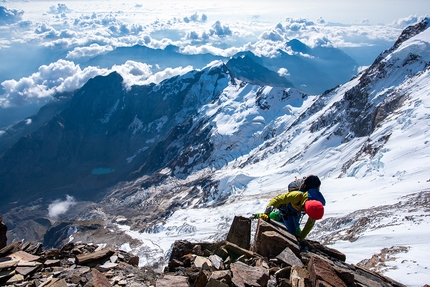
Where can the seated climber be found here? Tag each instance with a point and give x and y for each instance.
(292, 206)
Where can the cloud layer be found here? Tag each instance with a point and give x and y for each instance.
(79, 35)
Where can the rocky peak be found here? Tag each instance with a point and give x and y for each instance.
(406, 34)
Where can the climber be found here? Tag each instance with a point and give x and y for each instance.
(295, 203)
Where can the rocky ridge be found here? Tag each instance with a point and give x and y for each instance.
(272, 259)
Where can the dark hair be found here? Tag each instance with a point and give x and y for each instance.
(311, 181)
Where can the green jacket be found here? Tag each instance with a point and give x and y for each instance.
(297, 200)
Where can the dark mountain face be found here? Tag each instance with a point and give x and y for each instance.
(13, 133)
(107, 134)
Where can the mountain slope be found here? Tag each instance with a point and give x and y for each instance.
(106, 129)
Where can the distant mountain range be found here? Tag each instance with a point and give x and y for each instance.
(312, 70)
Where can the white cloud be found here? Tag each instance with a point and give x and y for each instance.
(196, 18)
(10, 16)
(133, 72)
(220, 30)
(167, 73)
(283, 72)
(60, 76)
(58, 207)
(65, 76)
(89, 51)
(59, 9)
(410, 20)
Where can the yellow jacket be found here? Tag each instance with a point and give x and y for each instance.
(297, 200)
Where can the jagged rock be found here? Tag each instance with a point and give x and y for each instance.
(321, 249)
(218, 264)
(240, 232)
(170, 280)
(99, 280)
(299, 277)
(279, 243)
(26, 270)
(14, 246)
(287, 256)
(202, 279)
(9, 263)
(57, 283)
(321, 271)
(283, 272)
(84, 258)
(276, 232)
(16, 278)
(223, 276)
(215, 283)
(236, 251)
(216, 261)
(248, 276)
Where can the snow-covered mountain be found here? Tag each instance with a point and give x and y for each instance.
(180, 159)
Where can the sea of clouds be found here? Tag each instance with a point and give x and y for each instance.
(58, 38)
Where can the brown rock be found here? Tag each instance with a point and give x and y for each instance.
(222, 276)
(24, 256)
(235, 251)
(197, 249)
(134, 261)
(263, 244)
(321, 270)
(84, 258)
(202, 262)
(8, 264)
(240, 232)
(6, 274)
(50, 263)
(215, 283)
(8, 249)
(99, 280)
(202, 279)
(25, 270)
(57, 283)
(326, 250)
(248, 276)
(170, 281)
(299, 277)
(15, 279)
(271, 243)
(287, 256)
(283, 273)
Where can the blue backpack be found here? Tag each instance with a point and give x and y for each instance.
(315, 194)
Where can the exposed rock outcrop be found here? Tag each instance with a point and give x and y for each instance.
(273, 259)
(27, 264)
